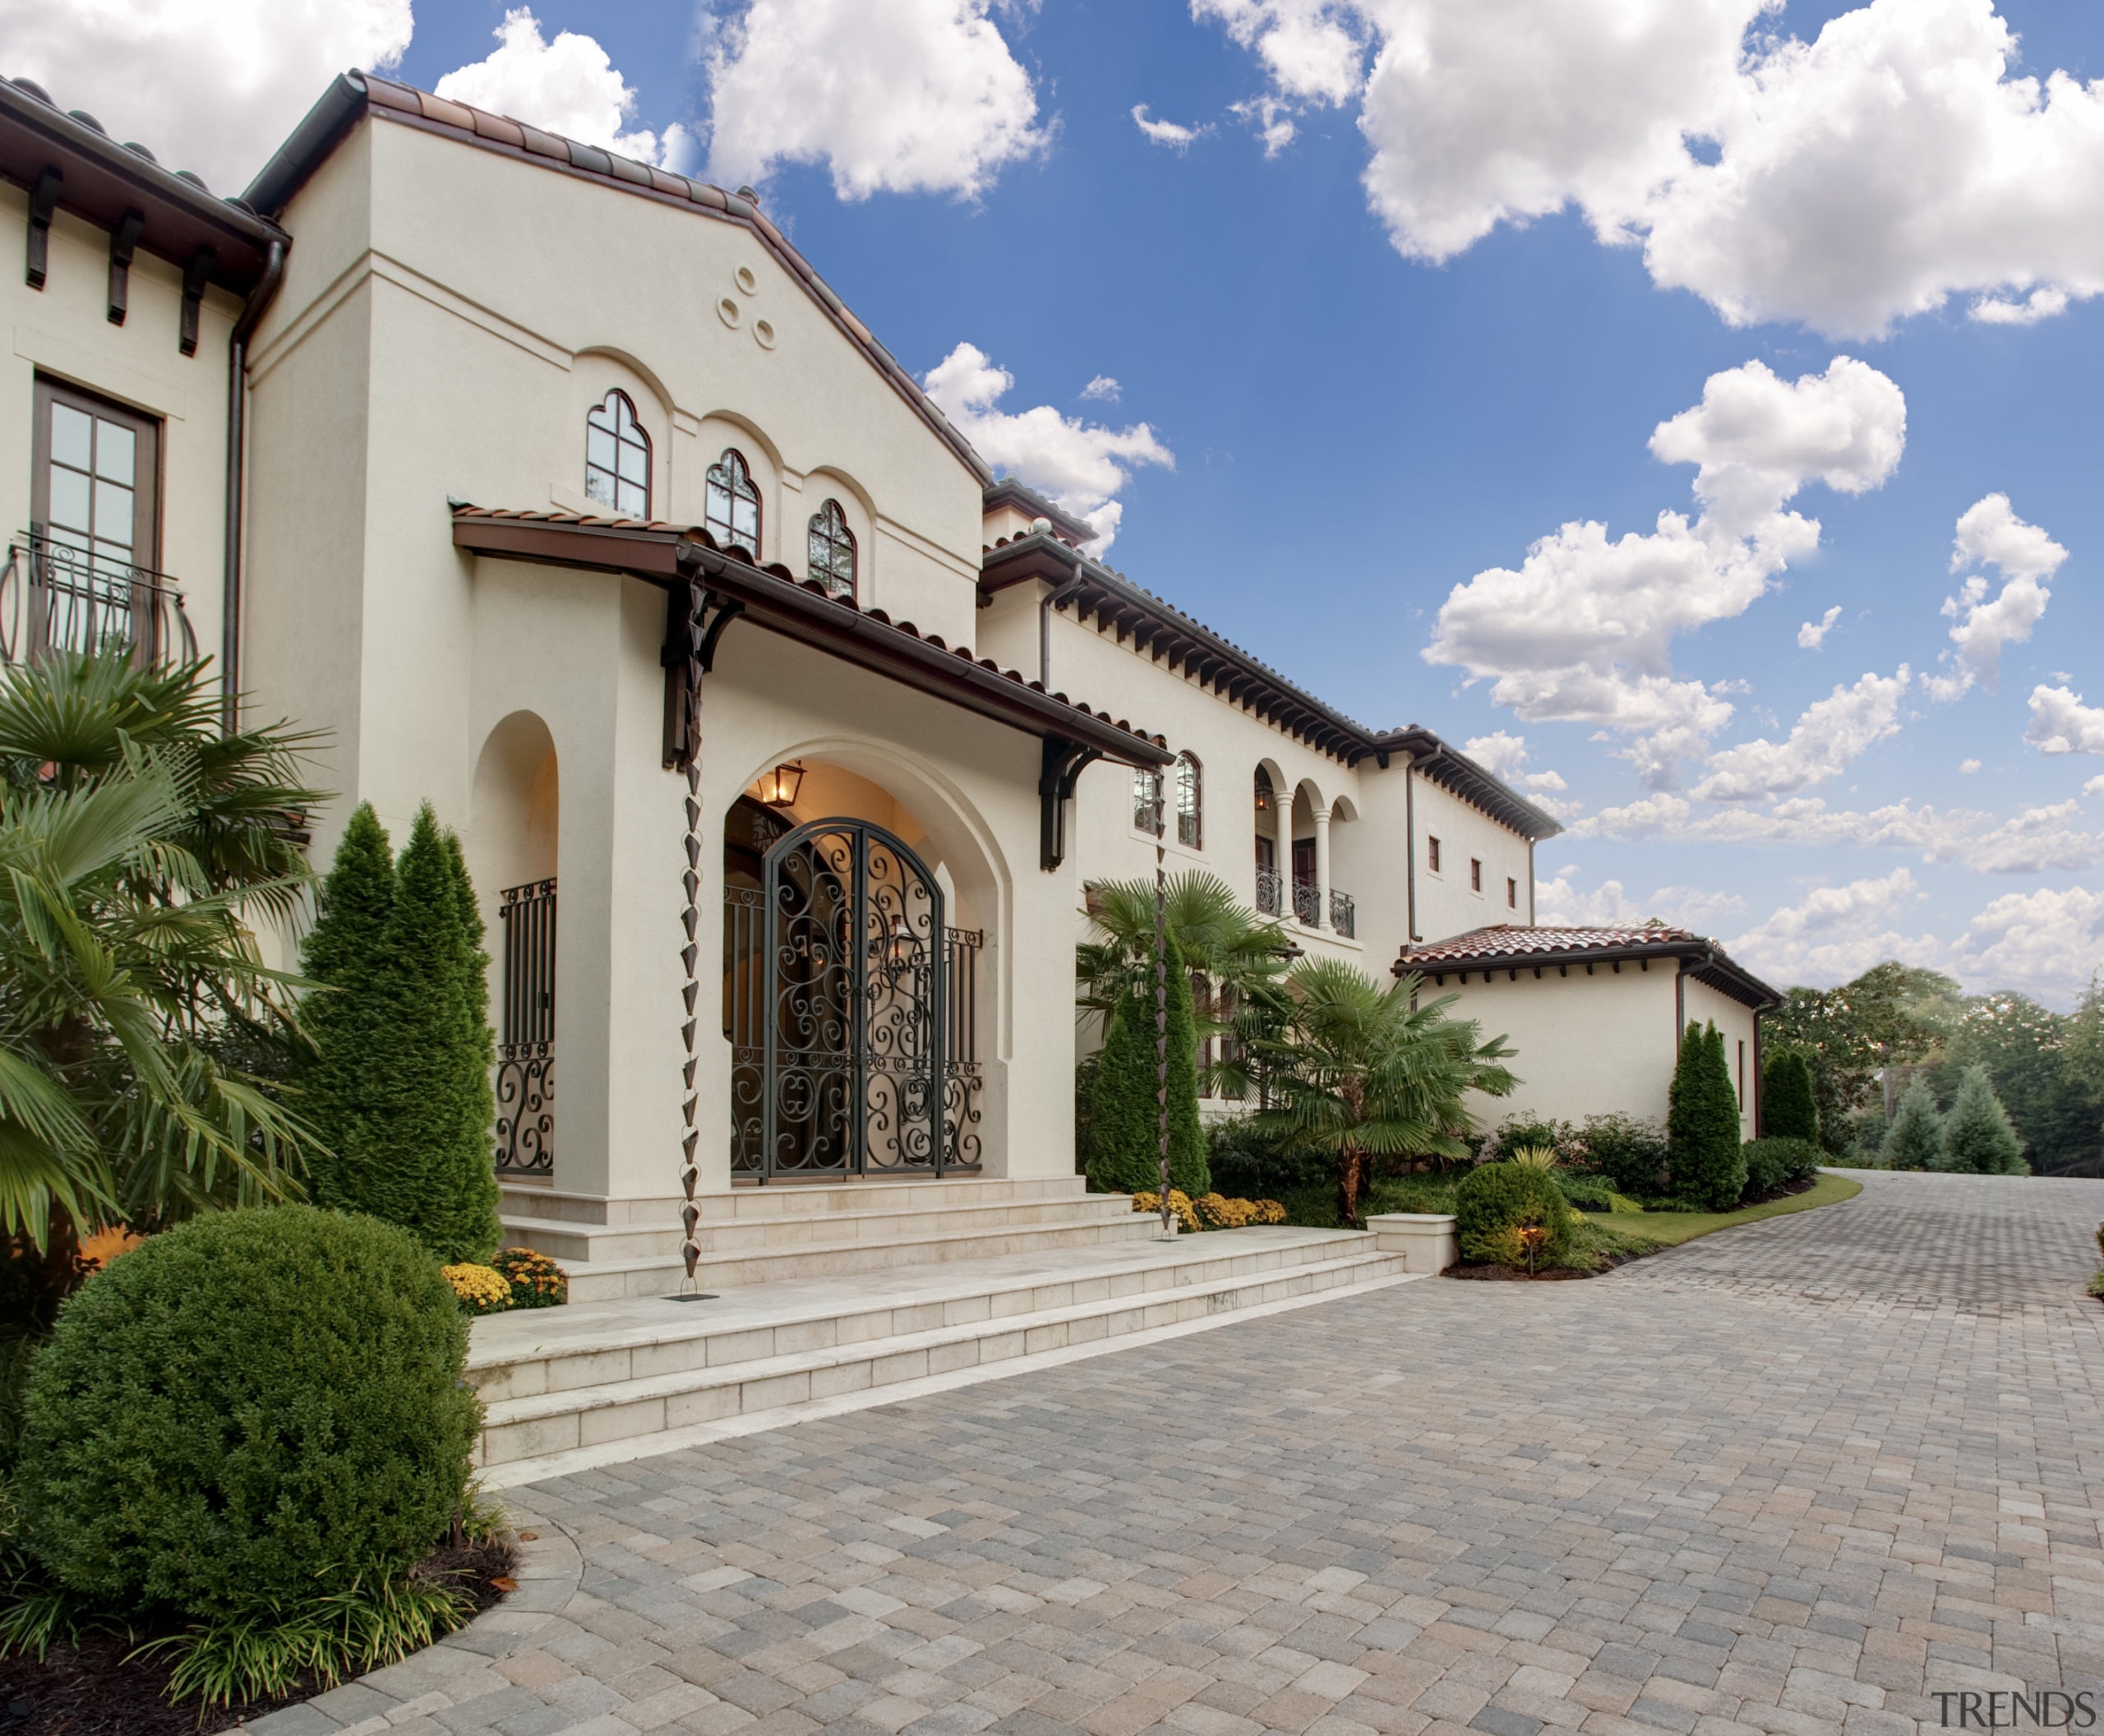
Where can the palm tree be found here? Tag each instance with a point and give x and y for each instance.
(1362, 1073)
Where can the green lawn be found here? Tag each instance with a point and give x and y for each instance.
(1672, 1227)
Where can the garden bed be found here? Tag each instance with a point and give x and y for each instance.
(99, 1688)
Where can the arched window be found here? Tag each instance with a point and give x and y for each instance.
(1189, 830)
(1146, 799)
(731, 513)
(617, 458)
(832, 550)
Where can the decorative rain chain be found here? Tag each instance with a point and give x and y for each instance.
(690, 920)
(1161, 1023)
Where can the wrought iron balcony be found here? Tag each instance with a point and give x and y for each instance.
(1344, 915)
(1269, 887)
(1307, 902)
(55, 597)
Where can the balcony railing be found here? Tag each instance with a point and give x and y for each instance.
(1344, 915)
(55, 597)
(1307, 902)
(1268, 888)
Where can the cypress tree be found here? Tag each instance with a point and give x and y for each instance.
(1703, 1152)
(1915, 1139)
(1977, 1137)
(477, 1059)
(1787, 1108)
(1126, 1137)
(341, 952)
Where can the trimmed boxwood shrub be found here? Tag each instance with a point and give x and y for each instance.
(1495, 1201)
(255, 1407)
(1773, 1165)
(1629, 1153)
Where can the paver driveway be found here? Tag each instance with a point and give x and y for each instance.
(1797, 1477)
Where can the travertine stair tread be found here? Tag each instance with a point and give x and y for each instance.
(591, 1328)
(506, 1412)
(1055, 1209)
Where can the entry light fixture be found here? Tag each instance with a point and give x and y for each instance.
(900, 948)
(778, 788)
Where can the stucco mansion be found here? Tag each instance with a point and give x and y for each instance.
(783, 735)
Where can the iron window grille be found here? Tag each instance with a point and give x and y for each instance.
(730, 510)
(617, 458)
(526, 1057)
(832, 550)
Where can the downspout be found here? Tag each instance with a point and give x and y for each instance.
(1531, 922)
(1410, 842)
(1051, 600)
(252, 314)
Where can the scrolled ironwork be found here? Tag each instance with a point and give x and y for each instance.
(1271, 885)
(1308, 903)
(526, 1109)
(56, 598)
(1344, 915)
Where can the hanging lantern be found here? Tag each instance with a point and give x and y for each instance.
(778, 788)
(900, 948)
(1263, 791)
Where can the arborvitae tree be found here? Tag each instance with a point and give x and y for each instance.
(342, 951)
(1915, 1139)
(412, 1057)
(478, 1053)
(1126, 1135)
(1977, 1137)
(1703, 1153)
(1787, 1108)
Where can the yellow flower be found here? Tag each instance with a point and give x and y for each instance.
(481, 1290)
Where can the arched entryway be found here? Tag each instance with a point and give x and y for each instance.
(515, 821)
(849, 999)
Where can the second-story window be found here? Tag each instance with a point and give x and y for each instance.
(617, 458)
(1476, 874)
(832, 550)
(1189, 814)
(1146, 799)
(94, 488)
(731, 513)
(1512, 894)
(1432, 857)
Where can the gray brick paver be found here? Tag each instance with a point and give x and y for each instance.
(1790, 1481)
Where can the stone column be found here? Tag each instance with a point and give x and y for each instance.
(1282, 817)
(1322, 867)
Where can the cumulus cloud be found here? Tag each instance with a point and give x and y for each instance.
(1502, 754)
(213, 89)
(1836, 932)
(1081, 465)
(1990, 534)
(1811, 635)
(1178, 138)
(1872, 173)
(2045, 943)
(2061, 724)
(1829, 736)
(567, 86)
(1967, 767)
(1582, 630)
(1101, 389)
(911, 96)
(1559, 903)
(2037, 841)
(2095, 787)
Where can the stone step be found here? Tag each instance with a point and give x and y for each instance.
(765, 1370)
(780, 1199)
(918, 1214)
(661, 1274)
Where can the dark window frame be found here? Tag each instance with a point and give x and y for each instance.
(1475, 874)
(1149, 806)
(1431, 858)
(1190, 821)
(145, 542)
(731, 478)
(828, 537)
(634, 435)
(1512, 893)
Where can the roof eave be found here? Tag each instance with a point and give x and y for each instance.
(1702, 959)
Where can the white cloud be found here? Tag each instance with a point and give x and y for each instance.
(2061, 724)
(1832, 734)
(1990, 533)
(213, 88)
(1583, 630)
(1868, 175)
(909, 96)
(2037, 841)
(2095, 787)
(1272, 118)
(1178, 138)
(1559, 904)
(1811, 635)
(1502, 754)
(1081, 465)
(567, 86)
(1836, 932)
(1967, 767)
(2045, 943)
(1101, 389)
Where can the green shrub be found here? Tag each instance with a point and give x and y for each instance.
(255, 1407)
(1587, 1192)
(1531, 1132)
(1248, 1163)
(1773, 1165)
(1788, 1111)
(1977, 1137)
(1125, 1139)
(1495, 1201)
(1915, 1139)
(1703, 1152)
(1629, 1153)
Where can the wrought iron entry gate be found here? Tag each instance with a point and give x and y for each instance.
(526, 1058)
(848, 1004)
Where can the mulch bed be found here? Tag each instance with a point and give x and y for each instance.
(92, 1691)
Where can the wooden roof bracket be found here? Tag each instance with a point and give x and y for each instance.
(1063, 763)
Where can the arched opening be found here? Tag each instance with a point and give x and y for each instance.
(851, 984)
(1307, 897)
(513, 826)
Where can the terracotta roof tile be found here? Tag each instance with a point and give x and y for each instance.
(1516, 940)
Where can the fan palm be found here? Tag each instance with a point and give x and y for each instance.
(1360, 1073)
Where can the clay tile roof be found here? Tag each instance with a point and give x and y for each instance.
(355, 94)
(1511, 945)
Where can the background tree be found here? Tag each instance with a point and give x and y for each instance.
(1977, 1137)
(1788, 1110)
(1125, 1124)
(1362, 1074)
(1915, 1139)
(2025, 1050)
(1703, 1155)
(1887, 1020)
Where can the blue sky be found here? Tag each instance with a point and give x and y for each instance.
(1349, 433)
